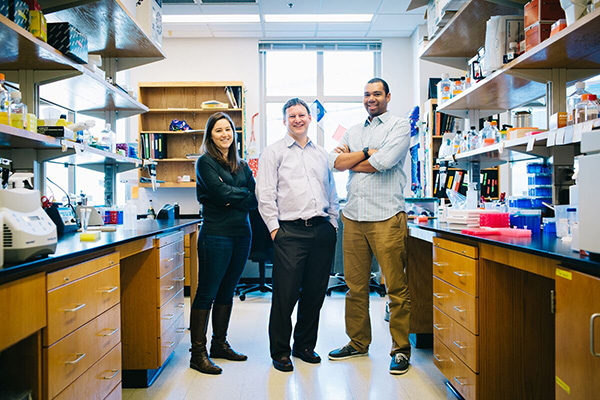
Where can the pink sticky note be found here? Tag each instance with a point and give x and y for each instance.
(339, 133)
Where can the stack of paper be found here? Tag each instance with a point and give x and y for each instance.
(462, 219)
(214, 104)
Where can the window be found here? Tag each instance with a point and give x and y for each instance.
(333, 73)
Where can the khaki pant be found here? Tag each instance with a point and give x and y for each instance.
(387, 240)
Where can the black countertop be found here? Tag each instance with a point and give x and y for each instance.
(539, 244)
(69, 246)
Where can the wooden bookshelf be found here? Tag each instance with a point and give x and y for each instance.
(183, 101)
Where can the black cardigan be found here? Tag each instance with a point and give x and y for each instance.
(226, 198)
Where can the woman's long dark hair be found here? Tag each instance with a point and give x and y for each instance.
(233, 160)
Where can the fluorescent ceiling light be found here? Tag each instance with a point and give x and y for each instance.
(206, 18)
(318, 17)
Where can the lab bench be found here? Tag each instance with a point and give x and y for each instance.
(96, 316)
(510, 318)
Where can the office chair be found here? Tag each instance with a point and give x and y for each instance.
(261, 252)
(338, 265)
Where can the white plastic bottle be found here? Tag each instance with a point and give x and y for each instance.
(457, 88)
(444, 89)
(4, 103)
(18, 111)
(496, 132)
(474, 140)
(130, 216)
(573, 100)
(457, 142)
(591, 108)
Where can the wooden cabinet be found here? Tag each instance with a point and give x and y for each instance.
(153, 307)
(456, 340)
(577, 335)
(84, 322)
(183, 101)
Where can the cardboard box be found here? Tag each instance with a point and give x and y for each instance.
(536, 34)
(543, 11)
(149, 15)
(37, 25)
(32, 123)
(65, 38)
(558, 120)
(57, 131)
(19, 13)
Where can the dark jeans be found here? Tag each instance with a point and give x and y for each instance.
(221, 261)
(301, 266)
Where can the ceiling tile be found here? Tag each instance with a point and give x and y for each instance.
(229, 9)
(390, 22)
(180, 9)
(185, 34)
(253, 34)
(399, 7)
(342, 34)
(280, 26)
(186, 27)
(386, 34)
(237, 27)
(326, 26)
(289, 34)
(349, 6)
(300, 6)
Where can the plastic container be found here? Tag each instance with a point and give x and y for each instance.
(496, 132)
(474, 139)
(4, 103)
(444, 89)
(562, 218)
(538, 191)
(538, 202)
(519, 202)
(527, 219)
(130, 217)
(494, 219)
(539, 179)
(18, 111)
(573, 100)
(457, 88)
(587, 109)
(457, 142)
(538, 168)
(549, 226)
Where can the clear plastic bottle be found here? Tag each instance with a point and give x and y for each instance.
(107, 139)
(573, 100)
(151, 212)
(494, 126)
(473, 139)
(591, 108)
(130, 216)
(487, 134)
(18, 111)
(457, 142)
(4, 103)
(581, 111)
(457, 88)
(444, 89)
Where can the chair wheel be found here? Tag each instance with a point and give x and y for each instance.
(242, 297)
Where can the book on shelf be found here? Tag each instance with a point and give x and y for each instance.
(214, 104)
(231, 97)
(153, 145)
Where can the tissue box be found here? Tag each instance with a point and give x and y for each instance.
(37, 25)
(65, 38)
(19, 13)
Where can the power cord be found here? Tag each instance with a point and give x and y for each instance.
(66, 194)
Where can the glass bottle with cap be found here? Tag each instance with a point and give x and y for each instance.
(4, 103)
(18, 111)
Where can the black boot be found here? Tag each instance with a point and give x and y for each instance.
(200, 361)
(219, 348)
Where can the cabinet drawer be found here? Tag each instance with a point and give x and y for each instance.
(170, 257)
(458, 374)
(169, 238)
(459, 340)
(460, 306)
(456, 247)
(116, 394)
(171, 311)
(455, 269)
(70, 274)
(186, 241)
(170, 339)
(72, 305)
(101, 381)
(22, 309)
(170, 284)
(71, 356)
(187, 265)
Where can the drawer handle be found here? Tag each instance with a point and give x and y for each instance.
(181, 253)
(168, 288)
(169, 346)
(592, 349)
(80, 357)
(438, 359)
(168, 316)
(111, 262)
(180, 279)
(440, 295)
(438, 327)
(461, 274)
(457, 344)
(77, 308)
(180, 305)
(169, 259)
(440, 264)
(180, 330)
(464, 251)
(115, 372)
(459, 309)
(458, 380)
(111, 332)
(108, 290)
